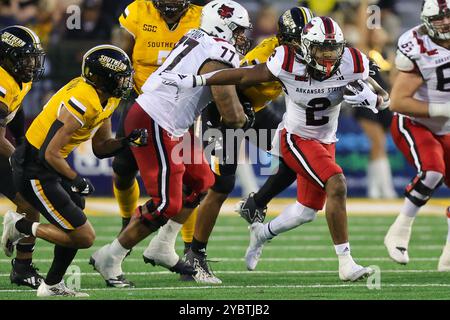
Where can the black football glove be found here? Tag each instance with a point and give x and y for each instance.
(82, 186)
(137, 138)
(249, 114)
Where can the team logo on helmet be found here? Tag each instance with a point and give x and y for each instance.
(12, 40)
(111, 63)
(288, 21)
(225, 11)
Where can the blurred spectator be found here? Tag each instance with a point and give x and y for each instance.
(95, 24)
(17, 11)
(265, 24)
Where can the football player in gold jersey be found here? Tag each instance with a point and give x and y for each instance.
(290, 26)
(78, 112)
(150, 30)
(21, 63)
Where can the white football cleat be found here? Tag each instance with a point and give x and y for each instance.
(444, 260)
(58, 290)
(256, 245)
(110, 268)
(11, 236)
(397, 239)
(351, 271)
(161, 253)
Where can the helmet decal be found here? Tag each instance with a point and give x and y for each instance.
(12, 40)
(225, 12)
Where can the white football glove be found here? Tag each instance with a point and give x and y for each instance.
(182, 81)
(364, 98)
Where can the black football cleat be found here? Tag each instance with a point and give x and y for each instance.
(25, 275)
(248, 210)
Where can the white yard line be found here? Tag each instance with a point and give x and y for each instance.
(270, 247)
(312, 286)
(214, 259)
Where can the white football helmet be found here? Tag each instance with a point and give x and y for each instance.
(434, 13)
(322, 45)
(222, 18)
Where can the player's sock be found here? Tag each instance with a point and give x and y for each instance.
(63, 257)
(275, 184)
(198, 247)
(169, 231)
(292, 216)
(448, 222)
(27, 227)
(125, 223)
(187, 231)
(187, 246)
(409, 209)
(25, 247)
(117, 250)
(127, 199)
(342, 249)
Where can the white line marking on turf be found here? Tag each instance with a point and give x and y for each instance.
(214, 259)
(270, 247)
(156, 273)
(312, 286)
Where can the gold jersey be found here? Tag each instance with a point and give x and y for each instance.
(11, 94)
(261, 94)
(153, 38)
(82, 101)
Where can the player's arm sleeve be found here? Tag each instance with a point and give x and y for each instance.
(78, 107)
(276, 60)
(129, 19)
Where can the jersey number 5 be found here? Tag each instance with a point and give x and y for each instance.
(317, 104)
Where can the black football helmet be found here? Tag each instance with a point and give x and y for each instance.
(290, 25)
(21, 54)
(108, 68)
(172, 9)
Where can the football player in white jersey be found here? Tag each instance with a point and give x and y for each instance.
(421, 127)
(314, 75)
(168, 113)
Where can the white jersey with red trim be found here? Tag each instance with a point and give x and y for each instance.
(312, 107)
(418, 53)
(176, 109)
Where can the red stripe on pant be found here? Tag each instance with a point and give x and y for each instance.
(162, 173)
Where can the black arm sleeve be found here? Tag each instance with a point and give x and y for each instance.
(17, 127)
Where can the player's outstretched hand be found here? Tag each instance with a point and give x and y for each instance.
(358, 94)
(182, 81)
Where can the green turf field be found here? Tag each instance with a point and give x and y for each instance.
(300, 264)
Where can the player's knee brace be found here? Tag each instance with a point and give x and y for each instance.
(421, 188)
(150, 216)
(224, 183)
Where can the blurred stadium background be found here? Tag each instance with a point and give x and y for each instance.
(99, 24)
